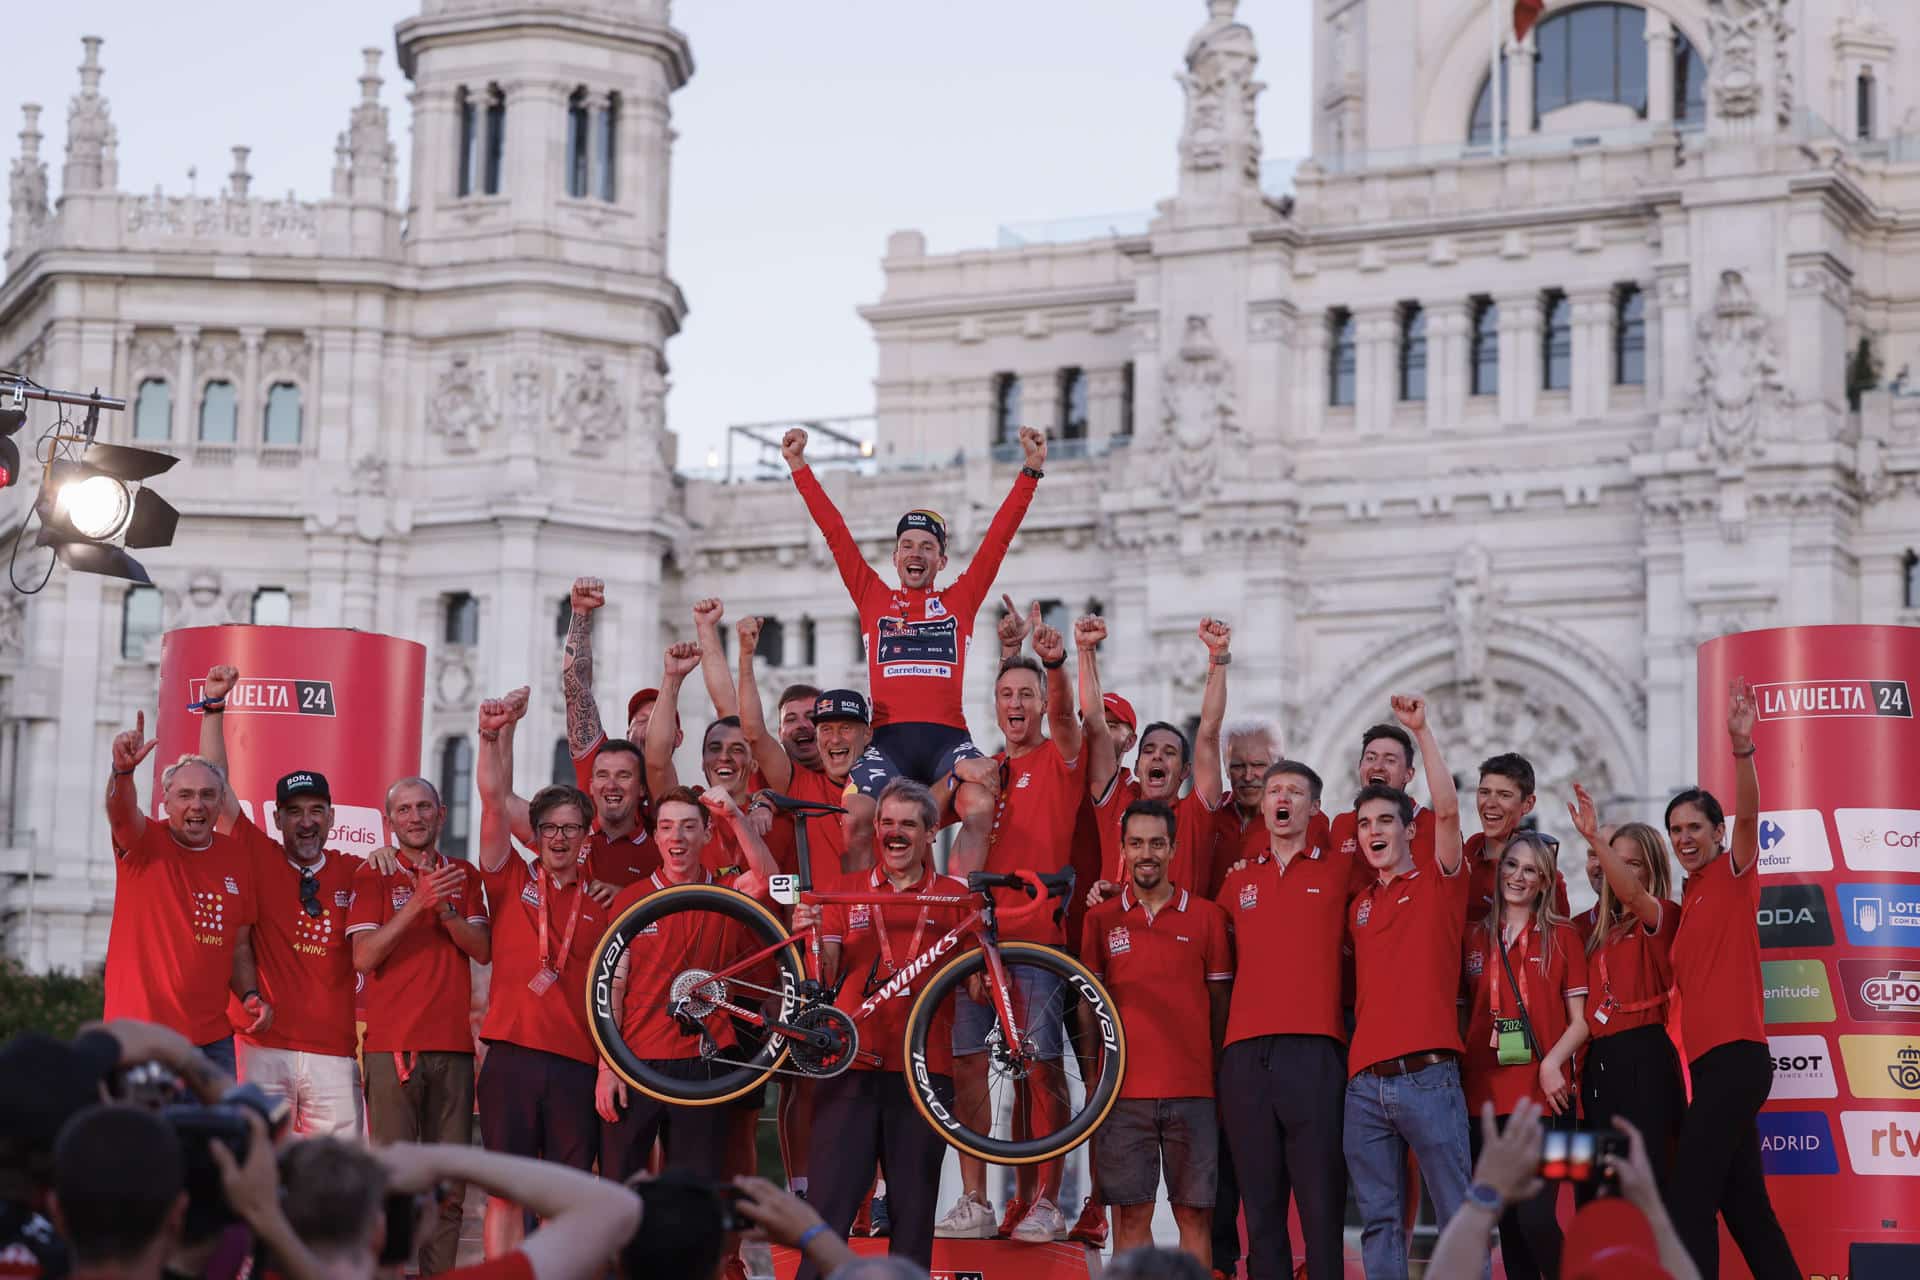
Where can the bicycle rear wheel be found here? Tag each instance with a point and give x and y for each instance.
(1047, 1087)
(689, 1009)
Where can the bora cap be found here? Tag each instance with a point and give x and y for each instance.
(302, 782)
(840, 704)
(930, 521)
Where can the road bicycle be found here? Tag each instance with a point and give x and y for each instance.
(737, 997)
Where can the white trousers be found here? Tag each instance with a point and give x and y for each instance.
(324, 1091)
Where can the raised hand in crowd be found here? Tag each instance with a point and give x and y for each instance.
(683, 659)
(1217, 636)
(1033, 443)
(707, 615)
(1410, 710)
(133, 746)
(1088, 631)
(1583, 815)
(124, 816)
(587, 595)
(1013, 626)
(793, 447)
(747, 631)
(221, 678)
(1048, 644)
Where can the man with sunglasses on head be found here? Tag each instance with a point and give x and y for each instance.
(304, 891)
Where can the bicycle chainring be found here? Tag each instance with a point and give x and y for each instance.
(823, 1061)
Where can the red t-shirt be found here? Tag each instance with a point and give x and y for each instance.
(622, 862)
(864, 963)
(305, 962)
(1033, 823)
(1157, 966)
(170, 943)
(1243, 839)
(1406, 949)
(418, 1000)
(1289, 927)
(1196, 831)
(916, 640)
(1716, 958)
(1634, 966)
(1485, 887)
(669, 947)
(1547, 981)
(1343, 834)
(554, 1020)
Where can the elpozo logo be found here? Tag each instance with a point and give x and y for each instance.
(1796, 1142)
(1886, 1143)
(1826, 699)
(1879, 839)
(1882, 1066)
(1881, 990)
(1881, 915)
(1802, 1068)
(1796, 991)
(1793, 841)
(1793, 915)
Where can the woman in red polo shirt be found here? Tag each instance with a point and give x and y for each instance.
(1524, 975)
(1632, 1069)
(1716, 971)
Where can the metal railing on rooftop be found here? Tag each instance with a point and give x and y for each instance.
(746, 467)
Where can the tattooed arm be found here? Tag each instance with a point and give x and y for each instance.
(576, 669)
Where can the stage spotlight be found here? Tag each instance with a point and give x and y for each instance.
(96, 506)
(90, 510)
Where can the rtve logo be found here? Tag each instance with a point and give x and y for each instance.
(1883, 1142)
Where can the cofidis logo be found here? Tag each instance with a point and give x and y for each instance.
(1881, 915)
(1883, 1067)
(1883, 1142)
(1792, 841)
(1802, 1068)
(1796, 991)
(1879, 839)
(1797, 1142)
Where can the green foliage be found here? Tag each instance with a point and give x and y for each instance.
(56, 1003)
(1863, 373)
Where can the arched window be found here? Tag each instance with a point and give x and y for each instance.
(1689, 84)
(579, 138)
(140, 621)
(562, 774)
(809, 642)
(272, 607)
(462, 618)
(1596, 53)
(1006, 408)
(1630, 336)
(456, 784)
(773, 642)
(606, 149)
(468, 113)
(1341, 358)
(1556, 341)
(1073, 404)
(283, 414)
(153, 410)
(496, 140)
(1413, 352)
(1483, 355)
(1863, 105)
(219, 413)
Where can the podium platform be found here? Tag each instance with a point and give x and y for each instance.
(978, 1260)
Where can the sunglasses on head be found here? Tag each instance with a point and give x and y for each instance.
(310, 895)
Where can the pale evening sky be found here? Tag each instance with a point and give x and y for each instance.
(807, 134)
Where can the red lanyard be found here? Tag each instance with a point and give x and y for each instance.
(886, 944)
(1520, 970)
(1607, 1003)
(546, 910)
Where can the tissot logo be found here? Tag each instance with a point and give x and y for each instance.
(1794, 915)
(1821, 699)
(1793, 840)
(1879, 839)
(1797, 1142)
(1802, 1068)
(272, 696)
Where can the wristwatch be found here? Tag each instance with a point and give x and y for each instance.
(1486, 1197)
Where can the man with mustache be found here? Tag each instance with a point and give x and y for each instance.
(1162, 950)
(305, 890)
(917, 635)
(182, 932)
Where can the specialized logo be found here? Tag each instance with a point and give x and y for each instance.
(1793, 840)
(1797, 1142)
(1802, 1068)
(1793, 915)
(1823, 699)
(1249, 896)
(1881, 915)
(1881, 990)
(1119, 941)
(1883, 1142)
(1879, 839)
(271, 696)
(1796, 991)
(1882, 1066)
(900, 981)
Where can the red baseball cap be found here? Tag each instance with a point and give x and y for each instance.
(1608, 1239)
(640, 700)
(1121, 708)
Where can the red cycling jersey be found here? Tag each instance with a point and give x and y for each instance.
(916, 641)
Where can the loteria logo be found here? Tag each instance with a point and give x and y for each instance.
(1796, 1142)
(272, 696)
(1823, 699)
(1880, 990)
(1886, 1143)
(1881, 915)
(1796, 991)
(1801, 1068)
(1793, 840)
(1793, 915)
(1879, 839)
(1882, 1066)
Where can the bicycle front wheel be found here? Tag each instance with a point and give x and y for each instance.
(1024, 1093)
(690, 1023)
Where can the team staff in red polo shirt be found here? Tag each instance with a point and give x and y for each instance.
(536, 1088)
(1503, 800)
(1387, 759)
(1716, 971)
(1164, 955)
(1526, 1019)
(417, 931)
(1283, 1075)
(1631, 1069)
(725, 759)
(864, 1114)
(182, 933)
(1403, 1089)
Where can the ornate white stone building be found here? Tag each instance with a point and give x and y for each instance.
(1513, 416)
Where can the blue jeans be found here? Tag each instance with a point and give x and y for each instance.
(220, 1054)
(1424, 1110)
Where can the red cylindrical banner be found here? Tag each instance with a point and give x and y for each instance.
(347, 703)
(1839, 923)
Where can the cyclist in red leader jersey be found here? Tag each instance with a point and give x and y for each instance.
(917, 636)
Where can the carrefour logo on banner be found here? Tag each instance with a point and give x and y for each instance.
(1881, 1142)
(1802, 1068)
(1882, 1066)
(1793, 841)
(356, 828)
(1881, 915)
(1822, 699)
(1797, 1142)
(1879, 839)
(1796, 991)
(272, 696)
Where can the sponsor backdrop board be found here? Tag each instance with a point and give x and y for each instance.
(347, 703)
(1839, 923)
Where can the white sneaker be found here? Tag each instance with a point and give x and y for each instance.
(971, 1218)
(1044, 1223)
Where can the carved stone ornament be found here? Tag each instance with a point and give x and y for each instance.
(288, 353)
(1469, 606)
(203, 604)
(1198, 414)
(1739, 27)
(28, 188)
(155, 353)
(526, 396)
(13, 626)
(453, 678)
(1736, 372)
(590, 407)
(1221, 129)
(462, 407)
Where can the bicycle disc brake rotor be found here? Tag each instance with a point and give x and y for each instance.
(1013, 1062)
(816, 1060)
(696, 993)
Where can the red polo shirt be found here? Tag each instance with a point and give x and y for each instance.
(669, 947)
(1484, 890)
(305, 962)
(622, 862)
(1406, 947)
(1289, 927)
(170, 941)
(1033, 823)
(1196, 832)
(1716, 958)
(418, 1000)
(1243, 839)
(555, 1020)
(1157, 966)
(1632, 967)
(910, 932)
(1548, 976)
(1343, 833)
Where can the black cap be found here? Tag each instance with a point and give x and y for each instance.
(43, 1081)
(921, 518)
(840, 704)
(302, 782)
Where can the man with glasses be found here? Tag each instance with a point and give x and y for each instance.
(305, 963)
